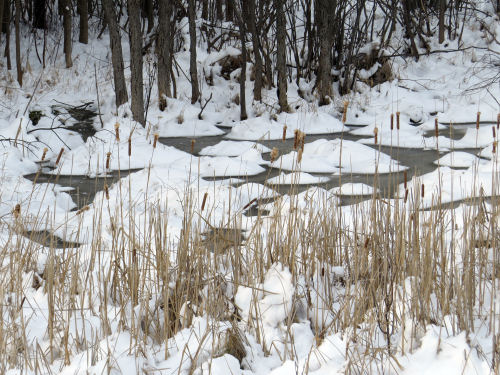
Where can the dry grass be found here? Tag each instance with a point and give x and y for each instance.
(378, 271)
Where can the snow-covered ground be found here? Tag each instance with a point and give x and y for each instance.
(284, 320)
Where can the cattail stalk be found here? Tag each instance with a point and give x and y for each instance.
(375, 133)
(398, 119)
(295, 138)
(129, 146)
(392, 121)
(436, 128)
(117, 132)
(423, 190)
(299, 155)
(155, 140)
(478, 118)
(106, 191)
(59, 156)
(274, 154)
(193, 141)
(284, 133)
(344, 115)
(205, 196)
(405, 175)
(45, 150)
(108, 158)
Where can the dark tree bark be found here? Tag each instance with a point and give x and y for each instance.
(149, 10)
(325, 41)
(229, 10)
(137, 85)
(121, 95)
(163, 51)
(257, 89)
(193, 71)
(18, 43)
(1, 19)
(67, 32)
(6, 27)
(39, 14)
(218, 10)
(281, 55)
(243, 74)
(84, 21)
(442, 10)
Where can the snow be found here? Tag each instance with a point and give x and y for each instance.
(353, 189)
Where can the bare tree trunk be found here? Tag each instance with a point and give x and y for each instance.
(325, 42)
(148, 7)
(1, 18)
(163, 51)
(18, 44)
(243, 74)
(39, 14)
(442, 10)
(121, 95)
(257, 89)
(229, 10)
(281, 58)
(195, 90)
(84, 21)
(6, 25)
(67, 32)
(218, 10)
(137, 92)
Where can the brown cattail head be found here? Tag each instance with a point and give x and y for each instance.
(108, 158)
(295, 138)
(193, 141)
(299, 155)
(205, 196)
(117, 132)
(82, 210)
(274, 154)
(495, 147)
(375, 133)
(392, 121)
(406, 195)
(129, 146)
(436, 127)
(16, 211)
(423, 190)
(45, 150)
(344, 115)
(155, 140)
(405, 175)
(302, 140)
(59, 156)
(478, 118)
(498, 121)
(494, 132)
(106, 191)
(284, 133)
(397, 119)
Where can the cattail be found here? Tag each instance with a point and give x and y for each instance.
(284, 133)
(155, 140)
(478, 118)
(59, 156)
(106, 191)
(274, 154)
(495, 147)
(397, 119)
(367, 242)
(17, 210)
(295, 138)
(82, 210)
(392, 121)
(205, 196)
(302, 140)
(45, 149)
(249, 204)
(375, 132)
(108, 158)
(193, 141)
(299, 155)
(129, 146)
(436, 128)
(498, 120)
(117, 132)
(406, 195)
(405, 175)
(423, 190)
(344, 115)
(494, 132)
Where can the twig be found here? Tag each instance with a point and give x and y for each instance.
(204, 105)
(97, 91)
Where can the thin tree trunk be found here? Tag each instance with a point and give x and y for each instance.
(39, 14)
(84, 21)
(148, 7)
(281, 58)
(18, 44)
(195, 90)
(243, 73)
(7, 32)
(218, 10)
(325, 64)
(229, 10)
(163, 51)
(257, 89)
(67, 32)
(137, 93)
(1, 18)
(442, 10)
